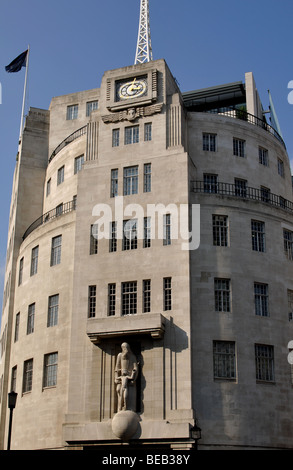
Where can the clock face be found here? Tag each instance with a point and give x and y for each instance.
(133, 88)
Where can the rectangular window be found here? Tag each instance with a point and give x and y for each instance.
(13, 379)
(131, 135)
(129, 234)
(222, 295)
(281, 171)
(56, 250)
(27, 376)
(288, 243)
(92, 301)
(53, 310)
(263, 156)
(265, 194)
(34, 260)
(166, 229)
(264, 362)
(220, 230)
(20, 272)
(129, 298)
(258, 236)
(91, 106)
(113, 237)
(59, 209)
(78, 162)
(261, 299)
(148, 132)
(209, 142)
(48, 188)
(146, 285)
(114, 183)
(146, 232)
(50, 370)
(130, 180)
(238, 147)
(16, 329)
(224, 360)
(115, 137)
(167, 287)
(72, 112)
(94, 239)
(60, 175)
(147, 177)
(240, 187)
(30, 319)
(210, 182)
(111, 299)
(290, 304)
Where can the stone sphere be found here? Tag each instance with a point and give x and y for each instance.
(125, 424)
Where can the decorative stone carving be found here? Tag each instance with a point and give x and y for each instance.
(133, 113)
(126, 372)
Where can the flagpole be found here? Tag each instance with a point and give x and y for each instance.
(24, 94)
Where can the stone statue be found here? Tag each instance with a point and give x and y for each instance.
(126, 371)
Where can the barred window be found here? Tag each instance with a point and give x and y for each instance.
(263, 156)
(210, 182)
(111, 299)
(258, 236)
(146, 296)
(30, 319)
(129, 298)
(288, 243)
(50, 370)
(224, 360)
(115, 137)
(261, 299)
(220, 230)
(72, 112)
(222, 295)
(129, 234)
(147, 178)
(53, 310)
(59, 209)
(167, 287)
(264, 362)
(131, 135)
(238, 147)
(34, 260)
(148, 132)
(94, 239)
(92, 301)
(209, 142)
(265, 194)
(130, 179)
(56, 250)
(27, 376)
(113, 237)
(147, 232)
(78, 162)
(114, 182)
(60, 175)
(167, 229)
(240, 187)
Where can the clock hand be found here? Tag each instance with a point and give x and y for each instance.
(132, 85)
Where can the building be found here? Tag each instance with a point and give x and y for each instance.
(98, 256)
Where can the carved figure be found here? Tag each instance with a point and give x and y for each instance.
(126, 371)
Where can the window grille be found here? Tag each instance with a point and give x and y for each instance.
(129, 234)
(130, 178)
(27, 376)
(147, 232)
(111, 299)
(261, 299)
(224, 360)
(72, 112)
(167, 285)
(50, 370)
(147, 178)
(78, 163)
(56, 250)
(209, 142)
(131, 135)
(53, 309)
(146, 296)
(148, 132)
(264, 362)
(30, 319)
(115, 137)
(92, 301)
(113, 237)
(94, 239)
(263, 156)
(167, 229)
(238, 147)
(220, 230)
(288, 243)
(114, 183)
(258, 235)
(222, 295)
(129, 298)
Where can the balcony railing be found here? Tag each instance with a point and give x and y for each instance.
(53, 214)
(226, 189)
(75, 135)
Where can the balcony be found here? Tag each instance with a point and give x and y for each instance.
(75, 135)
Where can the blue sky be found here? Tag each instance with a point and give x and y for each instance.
(72, 43)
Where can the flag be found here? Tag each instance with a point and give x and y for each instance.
(17, 64)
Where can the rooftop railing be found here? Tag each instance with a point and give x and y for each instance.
(75, 135)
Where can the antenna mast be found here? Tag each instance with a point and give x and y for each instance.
(144, 47)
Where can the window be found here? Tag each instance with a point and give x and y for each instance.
(261, 299)
(48, 188)
(222, 295)
(115, 137)
(92, 301)
(258, 236)
(129, 298)
(111, 299)
(113, 237)
(290, 304)
(60, 175)
(210, 183)
(166, 229)
(148, 132)
(114, 183)
(16, 329)
(238, 147)
(59, 209)
(167, 286)
(20, 272)
(78, 162)
(53, 309)
(240, 187)
(147, 178)
(264, 363)
(129, 234)
(94, 239)
(224, 360)
(209, 142)
(263, 156)
(34, 260)
(13, 379)
(91, 106)
(27, 376)
(146, 285)
(72, 112)
(281, 168)
(130, 178)
(220, 230)
(56, 250)
(265, 194)
(30, 319)
(146, 232)
(131, 135)
(288, 243)
(50, 370)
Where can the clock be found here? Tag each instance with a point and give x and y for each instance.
(131, 88)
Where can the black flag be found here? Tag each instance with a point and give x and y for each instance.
(18, 63)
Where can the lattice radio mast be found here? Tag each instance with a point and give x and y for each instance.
(144, 47)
